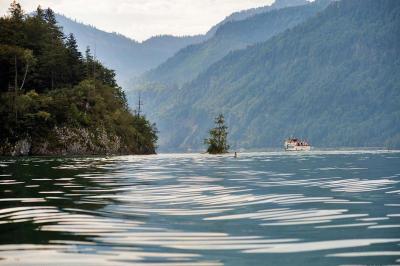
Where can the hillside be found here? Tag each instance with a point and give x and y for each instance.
(244, 14)
(333, 79)
(232, 35)
(126, 56)
(54, 101)
(130, 58)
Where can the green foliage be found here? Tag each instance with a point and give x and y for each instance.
(47, 84)
(86, 105)
(217, 142)
(333, 79)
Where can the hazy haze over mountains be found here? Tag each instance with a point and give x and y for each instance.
(230, 35)
(241, 15)
(131, 58)
(126, 56)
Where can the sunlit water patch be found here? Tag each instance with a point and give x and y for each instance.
(316, 208)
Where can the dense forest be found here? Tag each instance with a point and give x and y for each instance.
(333, 79)
(53, 100)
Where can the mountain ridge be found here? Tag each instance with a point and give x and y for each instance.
(126, 56)
(231, 35)
(333, 79)
(131, 58)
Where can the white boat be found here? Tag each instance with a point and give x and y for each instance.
(293, 144)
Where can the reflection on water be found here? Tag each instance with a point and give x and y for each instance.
(317, 208)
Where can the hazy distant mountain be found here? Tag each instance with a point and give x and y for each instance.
(126, 56)
(333, 79)
(241, 15)
(130, 58)
(190, 61)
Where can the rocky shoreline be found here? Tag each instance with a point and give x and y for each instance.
(65, 141)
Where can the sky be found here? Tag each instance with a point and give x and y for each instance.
(141, 19)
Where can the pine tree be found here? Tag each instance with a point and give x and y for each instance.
(16, 11)
(75, 60)
(40, 13)
(55, 55)
(89, 63)
(50, 17)
(16, 22)
(72, 47)
(217, 142)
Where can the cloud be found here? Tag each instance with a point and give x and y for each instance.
(141, 19)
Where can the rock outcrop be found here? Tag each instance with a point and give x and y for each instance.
(67, 141)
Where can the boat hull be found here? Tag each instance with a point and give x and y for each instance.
(297, 148)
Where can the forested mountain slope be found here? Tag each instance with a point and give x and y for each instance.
(334, 79)
(232, 35)
(244, 14)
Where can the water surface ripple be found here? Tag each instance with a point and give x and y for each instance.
(317, 208)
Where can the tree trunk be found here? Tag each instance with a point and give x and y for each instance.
(15, 87)
(26, 72)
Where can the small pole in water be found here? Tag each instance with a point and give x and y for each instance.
(235, 156)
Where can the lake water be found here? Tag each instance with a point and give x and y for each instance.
(316, 208)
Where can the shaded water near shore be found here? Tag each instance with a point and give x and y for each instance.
(316, 208)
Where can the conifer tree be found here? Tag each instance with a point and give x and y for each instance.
(75, 61)
(50, 17)
(16, 11)
(89, 63)
(217, 142)
(40, 13)
(73, 47)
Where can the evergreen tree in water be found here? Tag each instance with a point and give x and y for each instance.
(217, 142)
